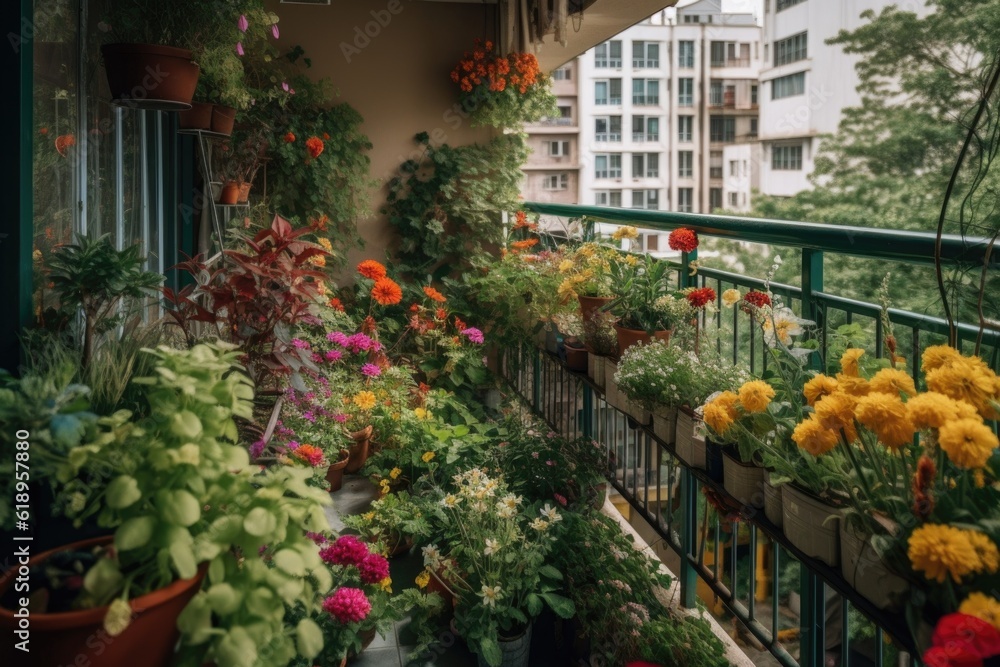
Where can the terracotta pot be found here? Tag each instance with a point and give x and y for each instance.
(335, 473)
(359, 450)
(198, 117)
(590, 304)
(367, 637)
(223, 119)
(148, 76)
(66, 637)
(629, 337)
(244, 193)
(576, 358)
(230, 193)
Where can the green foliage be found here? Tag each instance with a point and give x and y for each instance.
(445, 203)
(643, 299)
(684, 640)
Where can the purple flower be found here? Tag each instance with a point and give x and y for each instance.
(310, 395)
(300, 344)
(474, 335)
(317, 357)
(239, 48)
(333, 355)
(338, 337)
(318, 538)
(274, 30)
(243, 23)
(257, 448)
(371, 370)
(292, 445)
(309, 416)
(340, 418)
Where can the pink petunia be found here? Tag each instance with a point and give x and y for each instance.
(239, 49)
(243, 23)
(274, 30)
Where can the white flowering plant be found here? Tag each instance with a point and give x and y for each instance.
(496, 559)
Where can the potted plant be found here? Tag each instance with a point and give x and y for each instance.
(573, 350)
(601, 342)
(587, 277)
(395, 521)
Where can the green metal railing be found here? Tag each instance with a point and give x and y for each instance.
(665, 492)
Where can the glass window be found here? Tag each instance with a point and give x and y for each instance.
(788, 86)
(563, 74)
(608, 54)
(685, 92)
(685, 54)
(685, 200)
(645, 54)
(753, 94)
(652, 165)
(714, 199)
(785, 4)
(608, 198)
(685, 128)
(608, 128)
(558, 148)
(721, 129)
(786, 158)
(791, 49)
(556, 182)
(608, 165)
(646, 199)
(715, 93)
(685, 164)
(646, 92)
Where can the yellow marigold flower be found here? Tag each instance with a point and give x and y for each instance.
(853, 385)
(969, 443)
(966, 379)
(386, 584)
(756, 395)
(720, 413)
(982, 607)
(364, 400)
(631, 260)
(818, 387)
(423, 579)
(986, 550)
(368, 516)
(566, 291)
(625, 232)
(932, 410)
(427, 457)
(893, 381)
(395, 473)
(36, 255)
(586, 250)
(937, 356)
(811, 436)
(325, 242)
(885, 415)
(731, 297)
(836, 413)
(941, 551)
(385, 485)
(849, 361)
(566, 266)
(317, 260)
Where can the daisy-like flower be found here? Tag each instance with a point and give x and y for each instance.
(492, 546)
(432, 556)
(550, 513)
(625, 232)
(505, 512)
(731, 297)
(451, 500)
(781, 326)
(490, 595)
(539, 524)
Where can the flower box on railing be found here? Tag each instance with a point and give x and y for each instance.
(690, 446)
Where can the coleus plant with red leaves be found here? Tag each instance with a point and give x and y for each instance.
(254, 296)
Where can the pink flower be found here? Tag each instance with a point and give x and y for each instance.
(338, 337)
(371, 370)
(318, 538)
(373, 569)
(340, 418)
(534, 455)
(550, 462)
(317, 357)
(561, 499)
(300, 344)
(239, 48)
(347, 550)
(348, 605)
(284, 86)
(243, 23)
(256, 449)
(274, 30)
(474, 335)
(333, 355)
(309, 416)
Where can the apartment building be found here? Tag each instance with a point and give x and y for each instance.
(552, 173)
(659, 102)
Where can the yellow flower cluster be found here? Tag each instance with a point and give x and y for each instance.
(966, 379)
(364, 400)
(941, 551)
(725, 409)
(625, 232)
(982, 607)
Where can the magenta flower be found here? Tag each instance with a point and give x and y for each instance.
(292, 444)
(309, 416)
(347, 550)
(348, 605)
(239, 48)
(274, 30)
(318, 538)
(340, 418)
(317, 357)
(373, 569)
(243, 23)
(300, 344)
(474, 335)
(284, 86)
(333, 355)
(371, 370)
(338, 337)
(256, 449)
(550, 462)
(561, 499)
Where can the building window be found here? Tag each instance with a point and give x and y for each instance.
(608, 198)
(563, 74)
(608, 54)
(685, 164)
(715, 164)
(715, 93)
(608, 92)
(721, 129)
(733, 200)
(685, 200)
(652, 242)
(645, 165)
(645, 128)
(753, 94)
(646, 92)
(788, 86)
(790, 49)
(685, 92)
(714, 199)
(785, 4)
(608, 165)
(786, 158)
(645, 54)
(646, 199)
(730, 54)
(558, 148)
(685, 128)
(685, 54)
(555, 182)
(608, 128)
(753, 127)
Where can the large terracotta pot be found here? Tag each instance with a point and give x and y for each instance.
(576, 358)
(198, 117)
(244, 193)
(629, 337)
(230, 193)
(78, 637)
(335, 473)
(589, 305)
(223, 119)
(359, 450)
(149, 76)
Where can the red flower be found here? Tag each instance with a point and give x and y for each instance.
(683, 239)
(315, 146)
(961, 640)
(64, 141)
(753, 300)
(326, 136)
(372, 269)
(336, 304)
(289, 138)
(459, 324)
(440, 314)
(701, 297)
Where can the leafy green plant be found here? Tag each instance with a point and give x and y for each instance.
(682, 640)
(642, 296)
(95, 277)
(392, 520)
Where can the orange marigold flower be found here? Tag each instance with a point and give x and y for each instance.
(460, 325)
(315, 146)
(524, 245)
(414, 308)
(434, 295)
(372, 269)
(683, 239)
(441, 314)
(336, 304)
(386, 292)
(289, 138)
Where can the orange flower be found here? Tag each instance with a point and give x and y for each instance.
(336, 304)
(320, 223)
(289, 138)
(434, 295)
(326, 136)
(523, 245)
(315, 146)
(386, 292)
(460, 325)
(372, 269)
(441, 314)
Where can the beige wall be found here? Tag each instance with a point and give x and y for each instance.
(399, 81)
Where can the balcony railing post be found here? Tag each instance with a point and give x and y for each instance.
(689, 546)
(587, 427)
(812, 619)
(685, 279)
(536, 385)
(812, 283)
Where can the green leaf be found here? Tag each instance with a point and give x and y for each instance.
(184, 562)
(181, 508)
(134, 533)
(550, 572)
(562, 606)
(290, 562)
(122, 492)
(196, 621)
(186, 424)
(308, 638)
(489, 650)
(223, 598)
(104, 579)
(236, 649)
(259, 522)
(534, 604)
